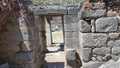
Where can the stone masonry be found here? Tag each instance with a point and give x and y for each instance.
(91, 33)
(99, 33)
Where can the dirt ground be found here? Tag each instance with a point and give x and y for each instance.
(55, 58)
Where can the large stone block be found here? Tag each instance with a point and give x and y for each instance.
(71, 34)
(116, 50)
(47, 11)
(71, 42)
(101, 51)
(91, 14)
(84, 26)
(71, 19)
(70, 58)
(25, 56)
(114, 35)
(93, 40)
(114, 43)
(71, 27)
(109, 24)
(86, 54)
(70, 54)
(73, 10)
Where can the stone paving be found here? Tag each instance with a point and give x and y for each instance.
(55, 58)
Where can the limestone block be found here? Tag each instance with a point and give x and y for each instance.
(71, 42)
(115, 57)
(70, 54)
(109, 24)
(73, 10)
(93, 40)
(25, 56)
(86, 54)
(71, 34)
(71, 27)
(110, 64)
(47, 11)
(114, 43)
(59, 11)
(114, 35)
(70, 58)
(111, 43)
(84, 26)
(101, 51)
(92, 64)
(116, 50)
(117, 43)
(88, 14)
(71, 19)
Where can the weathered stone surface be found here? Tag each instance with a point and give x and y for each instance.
(30, 45)
(110, 43)
(115, 58)
(84, 26)
(73, 10)
(71, 42)
(110, 64)
(114, 35)
(70, 54)
(86, 54)
(114, 43)
(92, 64)
(93, 40)
(117, 43)
(71, 27)
(88, 14)
(111, 14)
(25, 56)
(101, 51)
(98, 5)
(109, 24)
(99, 58)
(4, 65)
(71, 19)
(47, 11)
(71, 34)
(116, 50)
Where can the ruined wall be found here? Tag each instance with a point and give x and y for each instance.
(99, 35)
(19, 38)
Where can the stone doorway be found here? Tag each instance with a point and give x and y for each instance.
(51, 45)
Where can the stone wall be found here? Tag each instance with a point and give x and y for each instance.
(19, 39)
(99, 36)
